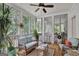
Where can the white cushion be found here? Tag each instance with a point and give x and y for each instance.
(33, 38)
(28, 45)
(61, 46)
(42, 46)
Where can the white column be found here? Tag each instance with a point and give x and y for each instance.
(52, 39)
(69, 32)
(29, 24)
(77, 25)
(43, 28)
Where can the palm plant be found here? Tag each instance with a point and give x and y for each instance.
(36, 34)
(5, 23)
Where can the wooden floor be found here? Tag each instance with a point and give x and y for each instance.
(55, 48)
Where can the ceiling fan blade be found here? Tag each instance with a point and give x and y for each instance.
(44, 10)
(37, 9)
(33, 5)
(49, 6)
(41, 4)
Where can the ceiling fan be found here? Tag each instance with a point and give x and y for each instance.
(42, 5)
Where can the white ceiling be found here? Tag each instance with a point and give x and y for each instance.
(58, 7)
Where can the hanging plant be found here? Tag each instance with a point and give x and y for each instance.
(21, 25)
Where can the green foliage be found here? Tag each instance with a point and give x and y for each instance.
(74, 47)
(11, 51)
(11, 48)
(36, 34)
(5, 23)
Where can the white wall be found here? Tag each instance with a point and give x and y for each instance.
(75, 31)
(73, 12)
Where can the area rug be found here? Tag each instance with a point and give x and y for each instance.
(36, 53)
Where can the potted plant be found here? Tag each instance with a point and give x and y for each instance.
(36, 35)
(5, 23)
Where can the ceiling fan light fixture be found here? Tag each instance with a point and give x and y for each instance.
(44, 10)
(37, 9)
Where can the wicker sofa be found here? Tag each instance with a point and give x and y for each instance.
(27, 42)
